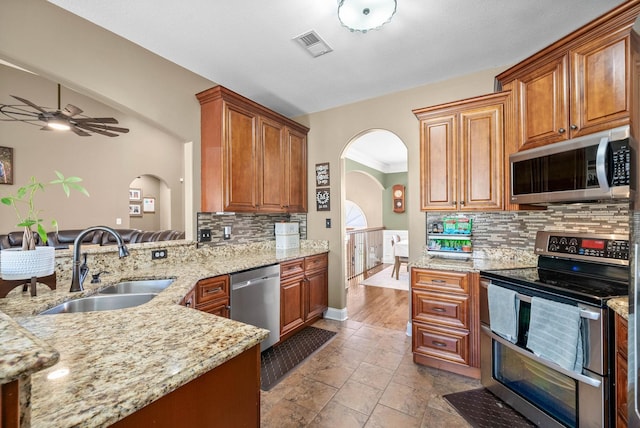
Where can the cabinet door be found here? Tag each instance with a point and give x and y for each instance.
(316, 289)
(239, 159)
(271, 166)
(291, 304)
(600, 99)
(481, 158)
(543, 105)
(295, 172)
(219, 308)
(437, 163)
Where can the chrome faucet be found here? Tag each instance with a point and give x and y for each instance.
(78, 274)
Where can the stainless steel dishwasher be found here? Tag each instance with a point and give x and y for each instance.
(255, 300)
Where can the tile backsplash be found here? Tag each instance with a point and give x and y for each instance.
(517, 229)
(246, 228)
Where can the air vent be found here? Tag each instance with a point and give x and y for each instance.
(313, 43)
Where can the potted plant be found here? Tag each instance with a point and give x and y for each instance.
(32, 260)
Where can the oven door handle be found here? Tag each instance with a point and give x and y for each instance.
(577, 376)
(584, 313)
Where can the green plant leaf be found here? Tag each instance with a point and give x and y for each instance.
(42, 233)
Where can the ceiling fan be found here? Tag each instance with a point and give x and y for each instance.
(65, 119)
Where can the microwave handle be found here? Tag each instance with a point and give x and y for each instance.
(601, 157)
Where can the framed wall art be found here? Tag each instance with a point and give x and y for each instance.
(323, 200)
(149, 205)
(322, 174)
(135, 194)
(135, 210)
(6, 165)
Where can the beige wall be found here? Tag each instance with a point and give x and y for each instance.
(366, 192)
(332, 130)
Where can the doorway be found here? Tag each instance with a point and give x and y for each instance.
(149, 203)
(374, 161)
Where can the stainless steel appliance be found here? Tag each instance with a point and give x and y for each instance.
(592, 167)
(579, 270)
(255, 300)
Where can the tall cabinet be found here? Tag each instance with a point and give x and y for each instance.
(253, 159)
(461, 154)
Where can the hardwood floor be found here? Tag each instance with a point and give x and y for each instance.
(378, 306)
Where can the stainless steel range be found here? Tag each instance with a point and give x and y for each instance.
(575, 277)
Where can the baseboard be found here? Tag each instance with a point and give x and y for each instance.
(336, 314)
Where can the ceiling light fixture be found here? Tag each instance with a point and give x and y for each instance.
(365, 15)
(58, 124)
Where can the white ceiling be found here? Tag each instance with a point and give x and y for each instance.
(247, 46)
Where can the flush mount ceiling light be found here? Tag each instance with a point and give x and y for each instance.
(365, 15)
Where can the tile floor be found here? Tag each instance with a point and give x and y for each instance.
(364, 377)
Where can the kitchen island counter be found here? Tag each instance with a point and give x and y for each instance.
(113, 363)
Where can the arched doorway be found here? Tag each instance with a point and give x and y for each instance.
(150, 207)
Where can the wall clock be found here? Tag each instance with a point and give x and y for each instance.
(398, 198)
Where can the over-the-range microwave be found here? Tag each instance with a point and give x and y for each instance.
(590, 168)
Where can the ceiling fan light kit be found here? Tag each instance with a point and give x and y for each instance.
(65, 119)
(365, 15)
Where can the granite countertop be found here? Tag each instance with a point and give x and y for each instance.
(112, 363)
(620, 306)
(502, 258)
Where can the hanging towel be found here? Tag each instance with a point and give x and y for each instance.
(554, 333)
(503, 313)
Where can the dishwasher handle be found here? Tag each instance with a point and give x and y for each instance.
(254, 281)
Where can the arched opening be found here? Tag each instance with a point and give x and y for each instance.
(149, 203)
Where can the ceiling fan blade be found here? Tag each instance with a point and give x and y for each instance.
(100, 127)
(80, 132)
(96, 119)
(97, 130)
(70, 110)
(29, 103)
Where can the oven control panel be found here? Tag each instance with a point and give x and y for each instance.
(594, 247)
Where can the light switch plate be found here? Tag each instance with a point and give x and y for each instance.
(327, 223)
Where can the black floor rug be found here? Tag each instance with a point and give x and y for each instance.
(278, 360)
(482, 409)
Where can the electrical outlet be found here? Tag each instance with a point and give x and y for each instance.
(205, 235)
(327, 223)
(158, 254)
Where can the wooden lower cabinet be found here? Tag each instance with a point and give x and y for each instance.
(10, 404)
(227, 396)
(621, 372)
(210, 295)
(303, 292)
(445, 319)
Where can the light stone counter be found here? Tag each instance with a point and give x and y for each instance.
(487, 259)
(113, 363)
(620, 306)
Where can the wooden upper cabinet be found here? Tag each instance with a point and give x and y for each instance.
(252, 159)
(461, 154)
(576, 86)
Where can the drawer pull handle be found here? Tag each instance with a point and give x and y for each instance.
(439, 281)
(439, 344)
(438, 309)
(213, 290)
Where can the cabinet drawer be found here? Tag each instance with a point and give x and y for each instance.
(439, 308)
(621, 335)
(441, 343)
(312, 263)
(291, 268)
(452, 282)
(211, 289)
(217, 307)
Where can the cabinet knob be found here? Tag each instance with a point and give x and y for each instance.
(561, 131)
(574, 127)
(461, 202)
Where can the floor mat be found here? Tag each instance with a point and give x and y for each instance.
(278, 360)
(482, 409)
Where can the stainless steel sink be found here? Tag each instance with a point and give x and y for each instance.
(138, 286)
(101, 303)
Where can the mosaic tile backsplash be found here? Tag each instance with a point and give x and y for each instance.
(246, 228)
(517, 229)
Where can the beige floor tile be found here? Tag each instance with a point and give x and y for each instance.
(383, 358)
(372, 375)
(358, 396)
(405, 399)
(332, 374)
(362, 343)
(311, 394)
(286, 414)
(434, 418)
(415, 376)
(385, 417)
(335, 415)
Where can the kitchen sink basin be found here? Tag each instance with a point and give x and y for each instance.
(101, 303)
(138, 286)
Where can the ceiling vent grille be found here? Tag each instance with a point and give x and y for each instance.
(313, 43)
